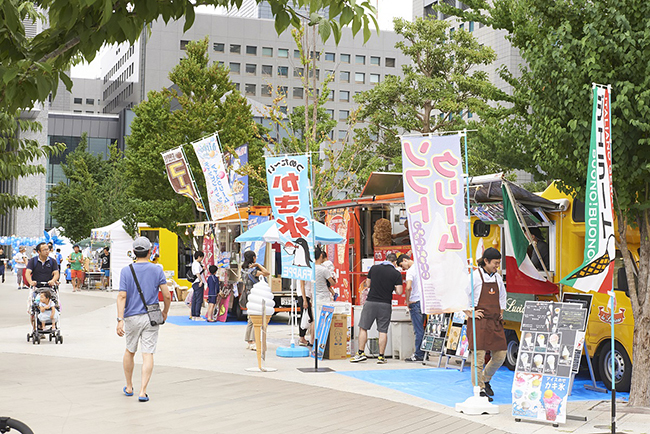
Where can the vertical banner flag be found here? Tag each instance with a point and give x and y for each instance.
(433, 192)
(597, 271)
(288, 182)
(178, 173)
(259, 247)
(339, 221)
(523, 277)
(222, 202)
(238, 183)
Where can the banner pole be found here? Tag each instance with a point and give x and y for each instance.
(612, 299)
(471, 271)
(196, 187)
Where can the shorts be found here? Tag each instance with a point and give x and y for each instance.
(78, 274)
(375, 310)
(45, 317)
(137, 328)
(106, 272)
(212, 297)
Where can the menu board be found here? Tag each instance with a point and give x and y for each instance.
(552, 335)
(435, 332)
(457, 343)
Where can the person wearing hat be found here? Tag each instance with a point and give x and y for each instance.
(542, 247)
(132, 318)
(488, 305)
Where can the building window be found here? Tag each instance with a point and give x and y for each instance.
(331, 98)
(330, 57)
(471, 26)
(267, 90)
(296, 54)
(90, 101)
(78, 100)
(344, 115)
(250, 89)
(345, 76)
(359, 77)
(283, 91)
(219, 47)
(267, 71)
(283, 53)
(311, 74)
(220, 64)
(235, 68)
(184, 44)
(360, 59)
(375, 60)
(236, 86)
(345, 58)
(89, 112)
(283, 71)
(342, 135)
(251, 50)
(390, 62)
(330, 112)
(283, 109)
(469, 115)
(328, 73)
(298, 72)
(344, 95)
(235, 49)
(267, 51)
(374, 78)
(297, 92)
(462, 26)
(251, 69)
(76, 111)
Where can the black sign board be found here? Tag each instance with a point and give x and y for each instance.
(583, 299)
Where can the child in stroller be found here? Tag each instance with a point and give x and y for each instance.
(44, 311)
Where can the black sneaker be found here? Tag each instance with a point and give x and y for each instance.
(488, 389)
(413, 358)
(490, 399)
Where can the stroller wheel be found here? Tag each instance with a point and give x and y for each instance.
(29, 336)
(51, 337)
(60, 339)
(34, 339)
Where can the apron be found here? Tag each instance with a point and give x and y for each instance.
(490, 335)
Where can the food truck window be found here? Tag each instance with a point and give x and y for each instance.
(480, 229)
(184, 258)
(620, 277)
(152, 235)
(578, 211)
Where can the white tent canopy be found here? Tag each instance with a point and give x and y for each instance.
(121, 245)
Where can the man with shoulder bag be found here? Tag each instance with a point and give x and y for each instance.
(138, 313)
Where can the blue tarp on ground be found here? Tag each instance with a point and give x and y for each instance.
(450, 386)
(183, 320)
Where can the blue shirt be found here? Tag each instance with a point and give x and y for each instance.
(213, 284)
(150, 277)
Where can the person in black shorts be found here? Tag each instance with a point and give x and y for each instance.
(383, 279)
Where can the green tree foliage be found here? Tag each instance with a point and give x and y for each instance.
(93, 195)
(207, 102)
(32, 66)
(568, 45)
(438, 89)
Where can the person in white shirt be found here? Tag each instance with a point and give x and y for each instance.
(488, 305)
(20, 260)
(413, 299)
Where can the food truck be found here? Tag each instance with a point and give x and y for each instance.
(558, 216)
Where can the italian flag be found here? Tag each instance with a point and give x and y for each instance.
(521, 275)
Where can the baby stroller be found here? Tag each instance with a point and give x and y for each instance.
(38, 327)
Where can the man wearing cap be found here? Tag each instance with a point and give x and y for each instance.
(132, 318)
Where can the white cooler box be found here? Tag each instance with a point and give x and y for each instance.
(400, 319)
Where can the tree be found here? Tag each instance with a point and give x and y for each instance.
(31, 66)
(309, 127)
(439, 91)
(568, 45)
(208, 102)
(92, 196)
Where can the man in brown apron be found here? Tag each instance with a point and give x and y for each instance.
(489, 303)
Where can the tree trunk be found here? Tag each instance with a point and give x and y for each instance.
(640, 390)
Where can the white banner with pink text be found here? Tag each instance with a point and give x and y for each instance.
(433, 192)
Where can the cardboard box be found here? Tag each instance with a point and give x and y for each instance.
(276, 284)
(337, 342)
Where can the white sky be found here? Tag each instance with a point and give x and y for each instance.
(387, 10)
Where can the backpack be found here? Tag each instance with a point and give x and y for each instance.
(249, 281)
(191, 277)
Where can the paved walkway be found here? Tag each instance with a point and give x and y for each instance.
(200, 384)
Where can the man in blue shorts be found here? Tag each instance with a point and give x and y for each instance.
(383, 279)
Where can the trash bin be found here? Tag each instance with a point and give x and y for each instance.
(403, 339)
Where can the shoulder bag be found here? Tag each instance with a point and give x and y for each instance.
(153, 310)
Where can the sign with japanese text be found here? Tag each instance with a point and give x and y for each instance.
(220, 197)
(433, 192)
(238, 183)
(339, 221)
(180, 176)
(288, 183)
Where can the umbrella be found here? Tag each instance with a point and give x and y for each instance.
(268, 231)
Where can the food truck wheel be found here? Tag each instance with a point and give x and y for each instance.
(512, 350)
(622, 367)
